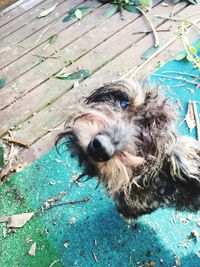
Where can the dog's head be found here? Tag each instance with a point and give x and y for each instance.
(121, 129)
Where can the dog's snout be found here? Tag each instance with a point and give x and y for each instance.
(101, 148)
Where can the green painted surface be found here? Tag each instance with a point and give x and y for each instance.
(92, 233)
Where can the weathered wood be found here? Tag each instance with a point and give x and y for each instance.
(10, 8)
(40, 147)
(21, 21)
(54, 113)
(45, 142)
(76, 50)
(34, 43)
(31, 35)
(6, 3)
(92, 61)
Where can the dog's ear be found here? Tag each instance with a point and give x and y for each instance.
(185, 161)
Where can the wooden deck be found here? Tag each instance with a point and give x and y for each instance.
(33, 103)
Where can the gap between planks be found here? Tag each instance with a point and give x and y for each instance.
(65, 90)
(9, 92)
(45, 142)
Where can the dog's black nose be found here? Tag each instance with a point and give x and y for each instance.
(101, 148)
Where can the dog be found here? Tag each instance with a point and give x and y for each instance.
(125, 135)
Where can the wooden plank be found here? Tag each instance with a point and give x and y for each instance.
(35, 127)
(75, 51)
(42, 145)
(36, 33)
(31, 29)
(12, 7)
(22, 21)
(92, 61)
(47, 90)
(6, 3)
(43, 71)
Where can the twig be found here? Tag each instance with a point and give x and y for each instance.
(52, 129)
(173, 9)
(179, 85)
(173, 18)
(164, 30)
(45, 57)
(18, 142)
(135, 70)
(10, 156)
(175, 78)
(156, 44)
(40, 36)
(70, 202)
(121, 12)
(196, 117)
(192, 15)
(95, 257)
(193, 59)
(53, 263)
(182, 73)
(178, 19)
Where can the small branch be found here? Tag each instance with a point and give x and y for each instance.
(10, 156)
(18, 142)
(156, 44)
(192, 15)
(70, 203)
(186, 46)
(44, 57)
(196, 117)
(140, 32)
(54, 262)
(40, 36)
(182, 73)
(173, 18)
(178, 19)
(135, 70)
(175, 78)
(121, 12)
(173, 9)
(52, 129)
(95, 257)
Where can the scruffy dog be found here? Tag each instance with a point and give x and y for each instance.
(125, 135)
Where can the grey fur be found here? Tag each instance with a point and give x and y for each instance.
(145, 130)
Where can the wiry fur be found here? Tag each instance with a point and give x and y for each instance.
(152, 166)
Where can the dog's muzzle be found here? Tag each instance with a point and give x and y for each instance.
(101, 149)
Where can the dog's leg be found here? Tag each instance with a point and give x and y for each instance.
(184, 168)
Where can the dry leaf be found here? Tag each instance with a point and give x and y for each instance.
(195, 234)
(19, 167)
(32, 249)
(178, 261)
(66, 245)
(47, 11)
(53, 199)
(18, 220)
(189, 118)
(152, 263)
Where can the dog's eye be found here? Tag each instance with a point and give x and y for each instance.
(124, 104)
